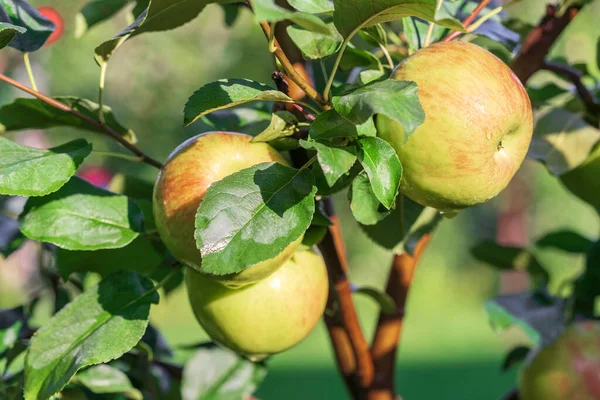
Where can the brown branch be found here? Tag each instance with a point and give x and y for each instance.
(389, 326)
(468, 21)
(539, 41)
(290, 71)
(357, 365)
(574, 76)
(103, 128)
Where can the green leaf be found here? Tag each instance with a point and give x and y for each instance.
(161, 15)
(542, 319)
(395, 99)
(352, 15)
(329, 124)
(370, 75)
(21, 14)
(106, 379)
(35, 114)
(100, 325)
(81, 216)
(335, 161)
(252, 215)
(568, 241)
(561, 140)
(96, 12)
(267, 10)
(25, 171)
(516, 258)
(386, 303)
(283, 124)
(365, 206)
(226, 93)
(246, 120)
(9, 336)
(215, 373)
(354, 58)
(312, 6)
(381, 163)
(141, 255)
(403, 228)
(375, 35)
(415, 31)
(315, 45)
(8, 32)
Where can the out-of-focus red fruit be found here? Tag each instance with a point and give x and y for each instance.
(54, 16)
(568, 369)
(98, 176)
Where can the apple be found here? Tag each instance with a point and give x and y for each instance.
(266, 317)
(568, 369)
(56, 18)
(183, 182)
(477, 129)
(584, 180)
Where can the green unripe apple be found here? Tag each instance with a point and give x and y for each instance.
(266, 317)
(568, 369)
(477, 129)
(584, 181)
(183, 182)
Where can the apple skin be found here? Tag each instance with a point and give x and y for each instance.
(54, 16)
(183, 182)
(267, 317)
(477, 129)
(568, 369)
(584, 180)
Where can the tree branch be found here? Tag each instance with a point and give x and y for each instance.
(103, 128)
(360, 366)
(575, 76)
(389, 326)
(539, 41)
(290, 71)
(468, 21)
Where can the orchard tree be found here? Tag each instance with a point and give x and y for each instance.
(423, 109)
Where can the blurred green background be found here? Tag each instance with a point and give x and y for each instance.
(448, 349)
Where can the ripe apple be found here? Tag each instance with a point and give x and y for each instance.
(183, 182)
(266, 317)
(54, 16)
(568, 369)
(584, 181)
(477, 128)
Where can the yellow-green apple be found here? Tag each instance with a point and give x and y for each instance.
(568, 369)
(266, 317)
(477, 129)
(183, 182)
(584, 180)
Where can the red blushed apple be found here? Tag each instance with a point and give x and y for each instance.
(183, 182)
(54, 16)
(568, 369)
(477, 129)
(267, 317)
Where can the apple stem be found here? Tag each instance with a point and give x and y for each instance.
(29, 71)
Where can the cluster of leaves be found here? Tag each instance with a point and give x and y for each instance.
(99, 342)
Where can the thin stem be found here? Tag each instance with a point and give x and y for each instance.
(336, 65)
(484, 18)
(290, 71)
(467, 22)
(29, 71)
(306, 105)
(103, 67)
(308, 163)
(107, 130)
(431, 26)
(386, 53)
(575, 76)
(272, 46)
(323, 70)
